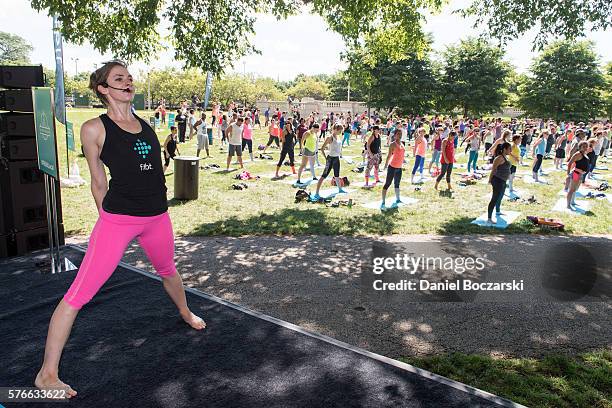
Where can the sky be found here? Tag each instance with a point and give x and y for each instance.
(303, 41)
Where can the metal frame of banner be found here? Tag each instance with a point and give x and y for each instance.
(51, 201)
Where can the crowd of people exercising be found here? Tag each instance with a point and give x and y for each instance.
(497, 146)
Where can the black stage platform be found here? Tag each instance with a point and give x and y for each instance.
(129, 348)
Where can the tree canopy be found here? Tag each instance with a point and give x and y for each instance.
(14, 49)
(309, 87)
(408, 85)
(565, 82)
(210, 34)
(473, 77)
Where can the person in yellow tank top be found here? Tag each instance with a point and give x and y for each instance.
(309, 140)
(514, 158)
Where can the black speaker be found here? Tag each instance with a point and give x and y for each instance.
(17, 148)
(17, 124)
(4, 246)
(22, 194)
(19, 100)
(23, 242)
(20, 76)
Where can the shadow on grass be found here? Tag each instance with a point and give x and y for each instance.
(173, 202)
(309, 221)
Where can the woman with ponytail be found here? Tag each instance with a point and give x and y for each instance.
(498, 178)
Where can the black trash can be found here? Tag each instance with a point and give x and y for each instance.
(186, 175)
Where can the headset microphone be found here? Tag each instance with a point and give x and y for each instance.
(106, 85)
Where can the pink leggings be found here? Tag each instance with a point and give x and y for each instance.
(109, 239)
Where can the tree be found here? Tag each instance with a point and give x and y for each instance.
(176, 85)
(309, 87)
(234, 88)
(608, 94)
(473, 76)
(568, 19)
(409, 85)
(265, 89)
(79, 85)
(565, 83)
(14, 49)
(339, 85)
(207, 34)
(511, 87)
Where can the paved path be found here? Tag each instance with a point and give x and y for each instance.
(314, 282)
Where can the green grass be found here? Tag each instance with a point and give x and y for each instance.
(268, 207)
(554, 381)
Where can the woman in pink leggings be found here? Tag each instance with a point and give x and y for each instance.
(132, 205)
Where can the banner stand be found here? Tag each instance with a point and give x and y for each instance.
(57, 264)
(46, 148)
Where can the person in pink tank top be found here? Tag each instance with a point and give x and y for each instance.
(395, 160)
(247, 137)
(448, 159)
(420, 145)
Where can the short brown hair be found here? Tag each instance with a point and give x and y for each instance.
(100, 76)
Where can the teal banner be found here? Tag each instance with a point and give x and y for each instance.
(70, 136)
(44, 122)
(171, 117)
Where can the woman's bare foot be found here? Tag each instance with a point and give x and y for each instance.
(193, 320)
(53, 382)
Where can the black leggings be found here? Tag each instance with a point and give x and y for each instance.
(593, 163)
(538, 163)
(447, 168)
(499, 186)
(393, 175)
(247, 143)
(287, 150)
(332, 162)
(273, 139)
(167, 158)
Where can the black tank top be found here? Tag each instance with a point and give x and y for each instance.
(290, 139)
(503, 170)
(171, 147)
(137, 185)
(375, 145)
(583, 164)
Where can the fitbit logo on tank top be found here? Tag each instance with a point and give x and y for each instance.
(143, 149)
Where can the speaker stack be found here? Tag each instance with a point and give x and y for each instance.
(23, 209)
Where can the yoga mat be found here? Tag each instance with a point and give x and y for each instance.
(503, 221)
(419, 180)
(375, 205)
(282, 176)
(304, 183)
(580, 193)
(332, 192)
(580, 209)
(529, 180)
(371, 184)
(516, 193)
